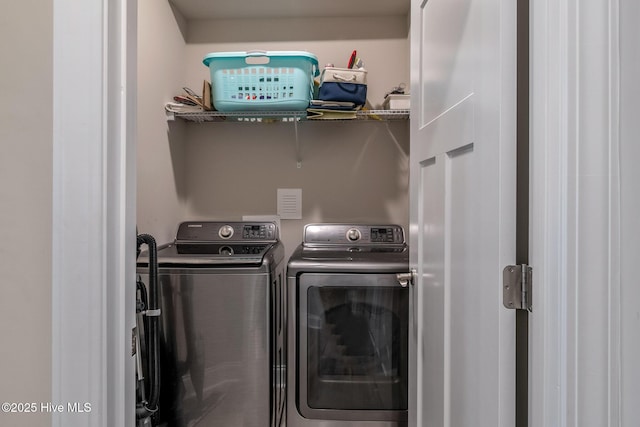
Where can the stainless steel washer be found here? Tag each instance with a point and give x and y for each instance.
(222, 298)
(348, 327)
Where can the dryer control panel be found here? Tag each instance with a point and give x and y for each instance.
(350, 234)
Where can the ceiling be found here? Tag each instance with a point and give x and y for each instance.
(249, 9)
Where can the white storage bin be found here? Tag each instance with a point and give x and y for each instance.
(397, 102)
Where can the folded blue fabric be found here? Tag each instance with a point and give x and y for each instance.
(345, 92)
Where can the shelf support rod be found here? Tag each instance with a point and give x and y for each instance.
(298, 153)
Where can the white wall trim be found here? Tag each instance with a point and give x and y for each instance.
(549, 228)
(615, 219)
(93, 211)
(79, 211)
(575, 214)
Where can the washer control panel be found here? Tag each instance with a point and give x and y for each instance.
(349, 234)
(257, 231)
(212, 231)
(384, 235)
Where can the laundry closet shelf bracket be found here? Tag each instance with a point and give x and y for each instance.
(297, 141)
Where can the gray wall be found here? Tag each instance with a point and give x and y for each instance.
(160, 160)
(351, 171)
(26, 130)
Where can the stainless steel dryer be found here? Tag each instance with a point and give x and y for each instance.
(348, 327)
(222, 298)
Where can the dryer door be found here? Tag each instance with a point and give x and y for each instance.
(352, 347)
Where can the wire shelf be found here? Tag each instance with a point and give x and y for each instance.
(280, 116)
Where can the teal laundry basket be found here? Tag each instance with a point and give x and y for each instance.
(261, 80)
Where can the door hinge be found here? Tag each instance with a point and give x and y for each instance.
(516, 287)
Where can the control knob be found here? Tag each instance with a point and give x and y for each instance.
(226, 231)
(353, 234)
(226, 250)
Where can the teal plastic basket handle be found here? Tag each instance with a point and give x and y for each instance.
(257, 57)
(262, 57)
(256, 52)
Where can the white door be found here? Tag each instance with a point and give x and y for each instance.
(462, 212)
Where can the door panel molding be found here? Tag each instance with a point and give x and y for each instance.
(450, 131)
(431, 302)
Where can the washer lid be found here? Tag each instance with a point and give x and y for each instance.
(211, 253)
(222, 249)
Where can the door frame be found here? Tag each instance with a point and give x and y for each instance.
(574, 166)
(91, 323)
(94, 183)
